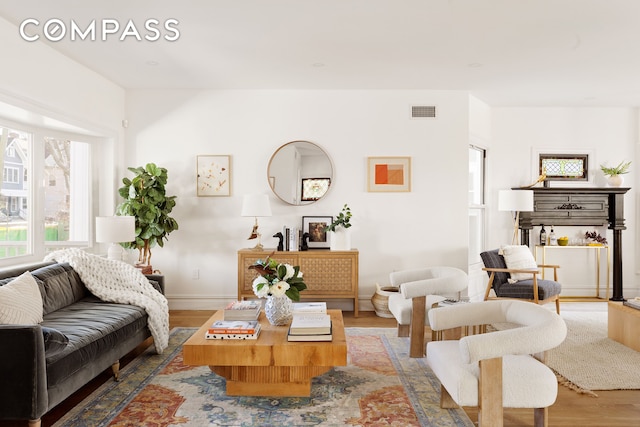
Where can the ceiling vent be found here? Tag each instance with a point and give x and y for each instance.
(423, 112)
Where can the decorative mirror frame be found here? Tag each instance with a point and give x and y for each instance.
(297, 184)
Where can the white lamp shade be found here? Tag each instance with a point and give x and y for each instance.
(256, 205)
(115, 229)
(515, 200)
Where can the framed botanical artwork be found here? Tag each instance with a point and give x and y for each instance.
(213, 175)
(388, 174)
(315, 226)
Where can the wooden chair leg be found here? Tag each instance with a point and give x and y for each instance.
(541, 417)
(557, 304)
(490, 412)
(35, 423)
(446, 401)
(416, 341)
(403, 330)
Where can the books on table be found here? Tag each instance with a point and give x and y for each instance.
(309, 307)
(633, 303)
(313, 323)
(233, 330)
(242, 310)
(311, 337)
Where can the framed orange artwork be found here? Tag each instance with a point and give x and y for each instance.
(388, 174)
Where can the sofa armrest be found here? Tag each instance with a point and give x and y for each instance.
(23, 389)
(157, 280)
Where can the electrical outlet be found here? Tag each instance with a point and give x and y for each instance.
(195, 274)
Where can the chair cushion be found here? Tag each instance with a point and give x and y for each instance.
(519, 257)
(524, 289)
(402, 307)
(493, 259)
(526, 382)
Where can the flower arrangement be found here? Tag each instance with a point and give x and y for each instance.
(276, 279)
(622, 168)
(596, 237)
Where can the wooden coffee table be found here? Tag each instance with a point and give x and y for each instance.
(624, 324)
(269, 365)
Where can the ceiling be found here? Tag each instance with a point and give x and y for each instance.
(505, 52)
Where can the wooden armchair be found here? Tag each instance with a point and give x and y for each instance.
(535, 290)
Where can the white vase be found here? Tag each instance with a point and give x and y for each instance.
(615, 180)
(279, 310)
(341, 239)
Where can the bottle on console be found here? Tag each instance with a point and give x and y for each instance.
(543, 236)
(553, 240)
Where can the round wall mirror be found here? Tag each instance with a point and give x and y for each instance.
(300, 173)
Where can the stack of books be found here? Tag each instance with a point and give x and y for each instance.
(310, 327)
(309, 307)
(633, 303)
(233, 330)
(242, 310)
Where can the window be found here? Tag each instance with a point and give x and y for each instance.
(30, 225)
(476, 202)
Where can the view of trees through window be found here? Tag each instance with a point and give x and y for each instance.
(64, 175)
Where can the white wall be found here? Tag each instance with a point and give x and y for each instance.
(610, 135)
(425, 227)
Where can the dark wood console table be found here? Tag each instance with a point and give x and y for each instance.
(580, 206)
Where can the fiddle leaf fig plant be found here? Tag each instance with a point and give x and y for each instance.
(342, 220)
(146, 200)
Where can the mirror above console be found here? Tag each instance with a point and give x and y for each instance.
(300, 173)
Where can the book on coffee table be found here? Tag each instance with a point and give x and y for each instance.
(242, 310)
(309, 307)
(316, 337)
(234, 336)
(234, 327)
(310, 324)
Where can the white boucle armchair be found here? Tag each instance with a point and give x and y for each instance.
(420, 290)
(497, 370)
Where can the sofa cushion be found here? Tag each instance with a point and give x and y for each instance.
(93, 327)
(54, 340)
(60, 286)
(20, 301)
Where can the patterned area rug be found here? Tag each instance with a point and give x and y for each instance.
(381, 386)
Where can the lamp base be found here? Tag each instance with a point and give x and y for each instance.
(115, 251)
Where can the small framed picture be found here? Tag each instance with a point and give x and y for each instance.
(213, 175)
(315, 226)
(388, 174)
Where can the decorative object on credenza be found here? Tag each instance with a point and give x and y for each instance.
(115, 230)
(280, 240)
(316, 228)
(280, 284)
(595, 237)
(541, 178)
(305, 242)
(388, 174)
(256, 205)
(339, 229)
(515, 201)
(614, 174)
(146, 200)
(213, 175)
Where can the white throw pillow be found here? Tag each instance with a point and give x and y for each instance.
(519, 257)
(21, 302)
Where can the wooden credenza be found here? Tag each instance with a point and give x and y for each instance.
(328, 274)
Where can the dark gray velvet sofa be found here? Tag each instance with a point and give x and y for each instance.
(80, 337)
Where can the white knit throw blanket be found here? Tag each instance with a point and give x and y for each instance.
(122, 283)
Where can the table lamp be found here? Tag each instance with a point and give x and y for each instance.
(256, 205)
(114, 230)
(515, 201)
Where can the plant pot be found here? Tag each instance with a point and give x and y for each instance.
(341, 239)
(380, 300)
(615, 180)
(278, 310)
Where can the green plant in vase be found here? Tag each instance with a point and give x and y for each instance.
(614, 173)
(146, 200)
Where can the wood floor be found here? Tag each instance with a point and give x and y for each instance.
(610, 408)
